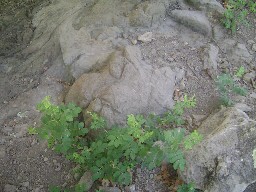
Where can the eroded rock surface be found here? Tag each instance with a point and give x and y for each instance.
(127, 85)
(196, 20)
(223, 160)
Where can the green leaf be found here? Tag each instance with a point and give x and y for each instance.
(186, 188)
(32, 131)
(54, 189)
(240, 72)
(177, 159)
(80, 187)
(192, 140)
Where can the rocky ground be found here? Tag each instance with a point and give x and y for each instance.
(119, 58)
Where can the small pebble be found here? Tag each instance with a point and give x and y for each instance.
(2, 141)
(25, 184)
(58, 167)
(134, 41)
(46, 159)
(146, 37)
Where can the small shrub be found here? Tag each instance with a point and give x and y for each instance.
(113, 153)
(226, 85)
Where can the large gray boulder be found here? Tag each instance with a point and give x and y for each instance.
(126, 85)
(223, 161)
(236, 52)
(196, 20)
(208, 6)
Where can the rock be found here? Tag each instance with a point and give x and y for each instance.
(249, 76)
(147, 13)
(210, 58)
(218, 32)
(2, 151)
(134, 41)
(197, 119)
(130, 188)
(57, 166)
(239, 53)
(250, 41)
(25, 184)
(38, 189)
(146, 37)
(195, 20)
(2, 141)
(223, 160)
(110, 189)
(80, 52)
(208, 6)
(243, 107)
(254, 47)
(10, 188)
(87, 180)
(135, 88)
(236, 52)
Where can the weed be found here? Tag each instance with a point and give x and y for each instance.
(227, 85)
(186, 188)
(240, 72)
(236, 13)
(113, 153)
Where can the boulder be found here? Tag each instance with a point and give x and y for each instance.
(196, 20)
(223, 160)
(126, 85)
(208, 6)
(210, 57)
(236, 52)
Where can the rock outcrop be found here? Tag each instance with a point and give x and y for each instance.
(223, 160)
(126, 85)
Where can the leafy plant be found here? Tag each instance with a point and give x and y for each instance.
(240, 72)
(227, 85)
(236, 13)
(174, 116)
(113, 153)
(186, 188)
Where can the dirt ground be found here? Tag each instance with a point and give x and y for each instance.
(29, 165)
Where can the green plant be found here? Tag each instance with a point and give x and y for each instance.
(76, 188)
(113, 153)
(236, 13)
(186, 188)
(174, 117)
(240, 72)
(227, 85)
